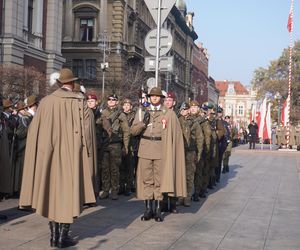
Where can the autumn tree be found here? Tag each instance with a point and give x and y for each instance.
(274, 79)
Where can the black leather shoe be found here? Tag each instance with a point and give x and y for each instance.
(173, 207)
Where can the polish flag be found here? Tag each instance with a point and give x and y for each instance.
(263, 111)
(268, 123)
(253, 113)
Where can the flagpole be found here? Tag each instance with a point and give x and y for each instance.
(290, 26)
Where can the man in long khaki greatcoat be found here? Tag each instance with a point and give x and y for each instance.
(161, 166)
(60, 160)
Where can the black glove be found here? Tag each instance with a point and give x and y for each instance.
(146, 119)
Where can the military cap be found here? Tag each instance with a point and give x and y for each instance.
(156, 91)
(114, 96)
(171, 95)
(204, 107)
(127, 100)
(219, 109)
(209, 105)
(184, 106)
(227, 117)
(194, 103)
(20, 105)
(66, 76)
(91, 96)
(7, 103)
(30, 100)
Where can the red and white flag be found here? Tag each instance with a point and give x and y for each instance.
(284, 112)
(290, 19)
(263, 112)
(268, 123)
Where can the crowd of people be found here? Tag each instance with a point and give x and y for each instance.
(67, 152)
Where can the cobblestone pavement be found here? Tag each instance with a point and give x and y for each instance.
(256, 206)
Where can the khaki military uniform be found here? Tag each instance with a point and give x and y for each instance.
(161, 156)
(227, 152)
(193, 145)
(115, 139)
(292, 141)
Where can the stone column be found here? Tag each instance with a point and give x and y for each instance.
(68, 26)
(25, 15)
(103, 16)
(38, 31)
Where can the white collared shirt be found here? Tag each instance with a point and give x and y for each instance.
(152, 107)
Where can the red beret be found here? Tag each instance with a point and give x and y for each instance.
(92, 96)
(171, 95)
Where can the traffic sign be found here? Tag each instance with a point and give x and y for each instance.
(165, 63)
(166, 6)
(166, 41)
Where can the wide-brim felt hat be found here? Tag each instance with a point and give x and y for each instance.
(156, 91)
(66, 76)
(7, 103)
(30, 100)
(20, 105)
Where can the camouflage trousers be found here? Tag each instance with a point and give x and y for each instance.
(227, 154)
(190, 165)
(111, 162)
(127, 171)
(199, 176)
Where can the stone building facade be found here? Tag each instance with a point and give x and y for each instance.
(30, 34)
(236, 100)
(103, 42)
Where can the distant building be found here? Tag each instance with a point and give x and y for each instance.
(236, 100)
(30, 34)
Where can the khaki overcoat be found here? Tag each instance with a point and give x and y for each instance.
(60, 158)
(173, 174)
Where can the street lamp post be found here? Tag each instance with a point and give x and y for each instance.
(278, 97)
(103, 40)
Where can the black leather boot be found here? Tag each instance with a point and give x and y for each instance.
(224, 170)
(148, 214)
(196, 197)
(227, 168)
(165, 203)
(64, 239)
(54, 230)
(173, 208)
(158, 216)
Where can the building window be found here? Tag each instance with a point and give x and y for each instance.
(30, 16)
(85, 69)
(241, 110)
(78, 68)
(91, 70)
(86, 29)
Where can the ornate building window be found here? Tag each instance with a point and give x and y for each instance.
(241, 110)
(85, 69)
(86, 29)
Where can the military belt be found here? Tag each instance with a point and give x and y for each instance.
(151, 138)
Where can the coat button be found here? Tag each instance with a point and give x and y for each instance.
(76, 132)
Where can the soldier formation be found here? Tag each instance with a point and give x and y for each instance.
(77, 152)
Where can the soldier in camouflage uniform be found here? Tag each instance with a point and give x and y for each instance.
(213, 156)
(115, 139)
(129, 160)
(202, 169)
(229, 135)
(222, 142)
(92, 103)
(193, 145)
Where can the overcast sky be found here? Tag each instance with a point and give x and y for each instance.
(242, 35)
